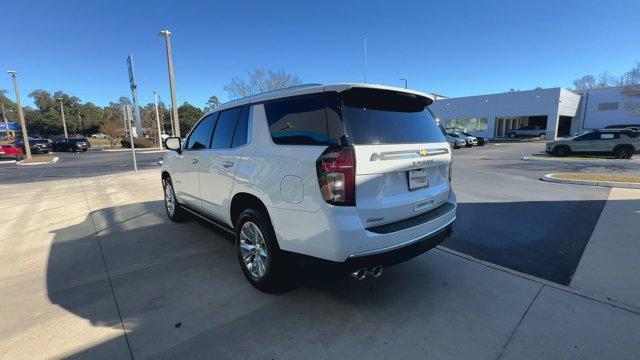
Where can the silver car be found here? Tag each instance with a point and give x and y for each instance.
(455, 141)
(528, 131)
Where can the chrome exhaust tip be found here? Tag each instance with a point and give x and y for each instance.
(376, 271)
(359, 274)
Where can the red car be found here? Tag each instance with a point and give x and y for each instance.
(11, 152)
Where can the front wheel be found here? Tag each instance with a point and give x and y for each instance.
(561, 151)
(171, 204)
(623, 153)
(261, 260)
(542, 136)
(512, 135)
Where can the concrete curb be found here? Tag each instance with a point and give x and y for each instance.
(580, 161)
(7, 161)
(53, 161)
(615, 184)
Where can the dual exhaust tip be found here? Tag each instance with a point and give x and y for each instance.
(361, 274)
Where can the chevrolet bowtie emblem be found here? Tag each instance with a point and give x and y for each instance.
(424, 152)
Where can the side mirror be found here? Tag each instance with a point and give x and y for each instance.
(174, 143)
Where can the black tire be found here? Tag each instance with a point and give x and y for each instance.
(178, 214)
(456, 146)
(561, 151)
(273, 278)
(623, 152)
(468, 144)
(513, 135)
(542, 136)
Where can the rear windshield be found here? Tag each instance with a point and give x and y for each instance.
(376, 116)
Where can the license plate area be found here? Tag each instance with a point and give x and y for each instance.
(418, 179)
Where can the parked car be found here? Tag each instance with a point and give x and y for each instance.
(624, 126)
(71, 144)
(11, 151)
(99, 136)
(529, 131)
(455, 141)
(622, 144)
(352, 176)
(480, 141)
(37, 145)
(469, 140)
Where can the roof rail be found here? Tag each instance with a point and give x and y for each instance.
(289, 88)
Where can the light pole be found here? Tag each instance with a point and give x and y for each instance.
(406, 82)
(23, 124)
(80, 121)
(6, 122)
(64, 122)
(172, 85)
(155, 100)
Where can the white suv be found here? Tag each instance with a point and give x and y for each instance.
(356, 176)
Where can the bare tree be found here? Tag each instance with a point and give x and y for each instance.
(585, 82)
(213, 102)
(630, 83)
(114, 131)
(260, 81)
(606, 80)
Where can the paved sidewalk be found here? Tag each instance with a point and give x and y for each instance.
(610, 265)
(91, 268)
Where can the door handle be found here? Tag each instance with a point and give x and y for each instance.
(227, 164)
(194, 161)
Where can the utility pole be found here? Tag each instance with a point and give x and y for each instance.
(23, 124)
(365, 58)
(6, 123)
(406, 82)
(155, 100)
(172, 85)
(64, 122)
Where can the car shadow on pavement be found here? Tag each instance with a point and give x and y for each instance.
(541, 238)
(179, 291)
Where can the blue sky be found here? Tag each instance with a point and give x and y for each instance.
(455, 48)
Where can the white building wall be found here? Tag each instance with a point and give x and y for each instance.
(591, 117)
(550, 102)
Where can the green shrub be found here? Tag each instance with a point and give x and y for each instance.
(139, 143)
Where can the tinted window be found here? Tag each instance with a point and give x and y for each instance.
(240, 133)
(223, 135)
(199, 138)
(298, 121)
(594, 135)
(388, 117)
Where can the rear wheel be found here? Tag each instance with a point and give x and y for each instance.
(623, 152)
(542, 136)
(261, 260)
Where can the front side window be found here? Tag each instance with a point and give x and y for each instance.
(199, 137)
(298, 120)
(223, 134)
(594, 135)
(388, 117)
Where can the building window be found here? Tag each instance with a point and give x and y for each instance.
(470, 124)
(608, 106)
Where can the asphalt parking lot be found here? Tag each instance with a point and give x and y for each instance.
(509, 217)
(75, 165)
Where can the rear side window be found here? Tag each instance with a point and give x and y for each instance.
(240, 133)
(199, 138)
(223, 134)
(376, 116)
(298, 120)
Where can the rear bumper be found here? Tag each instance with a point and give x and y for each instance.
(338, 234)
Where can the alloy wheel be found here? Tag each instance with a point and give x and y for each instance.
(253, 250)
(169, 199)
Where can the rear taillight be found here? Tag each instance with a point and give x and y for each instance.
(337, 175)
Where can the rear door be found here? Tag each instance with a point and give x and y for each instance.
(586, 143)
(402, 156)
(218, 164)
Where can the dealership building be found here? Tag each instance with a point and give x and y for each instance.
(557, 112)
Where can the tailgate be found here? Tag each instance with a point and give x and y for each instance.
(396, 182)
